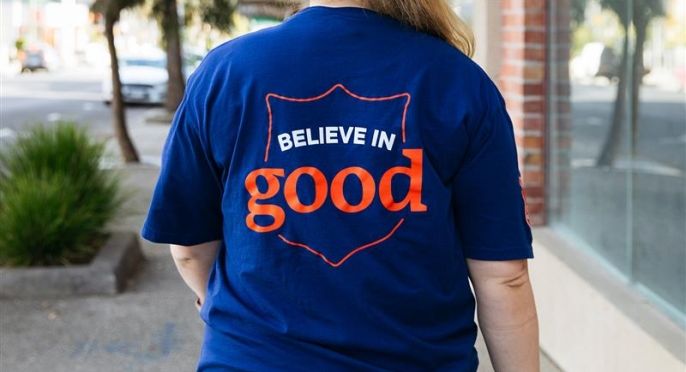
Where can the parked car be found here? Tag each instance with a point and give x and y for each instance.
(39, 58)
(144, 78)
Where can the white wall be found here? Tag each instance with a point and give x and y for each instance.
(591, 321)
(487, 31)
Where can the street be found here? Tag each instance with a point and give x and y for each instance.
(47, 97)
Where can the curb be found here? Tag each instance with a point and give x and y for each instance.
(158, 116)
(107, 273)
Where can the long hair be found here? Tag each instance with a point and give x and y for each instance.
(434, 17)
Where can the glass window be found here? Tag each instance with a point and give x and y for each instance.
(618, 138)
(465, 8)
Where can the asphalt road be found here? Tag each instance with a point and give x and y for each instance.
(47, 97)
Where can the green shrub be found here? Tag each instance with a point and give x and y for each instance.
(55, 200)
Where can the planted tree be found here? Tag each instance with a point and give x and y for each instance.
(168, 19)
(216, 13)
(111, 11)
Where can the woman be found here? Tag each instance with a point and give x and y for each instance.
(330, 186)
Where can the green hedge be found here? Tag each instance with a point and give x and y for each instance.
(55, 200)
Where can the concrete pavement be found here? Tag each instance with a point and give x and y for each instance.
(153, 326)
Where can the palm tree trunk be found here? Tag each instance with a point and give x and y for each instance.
(610, 147)
(172, 34)
(126, 146)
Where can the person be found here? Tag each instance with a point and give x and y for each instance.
(331, 185)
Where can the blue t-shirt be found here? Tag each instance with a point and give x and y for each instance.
(349, 164)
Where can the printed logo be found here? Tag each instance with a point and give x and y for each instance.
(335, 160)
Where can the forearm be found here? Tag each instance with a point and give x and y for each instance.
(194, 264)
(510, 327)
(508, 320)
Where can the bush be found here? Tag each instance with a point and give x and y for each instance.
(55, 200)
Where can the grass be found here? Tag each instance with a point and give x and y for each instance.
(55, 200)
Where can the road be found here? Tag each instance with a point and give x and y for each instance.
(48, 97)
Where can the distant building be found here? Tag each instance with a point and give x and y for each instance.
(57, 26)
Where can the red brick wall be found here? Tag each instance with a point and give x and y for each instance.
(523, 84)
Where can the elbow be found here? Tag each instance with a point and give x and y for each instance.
(513, 274)
(186, 255)
(184, 260)
(517, 278)
(204, 253)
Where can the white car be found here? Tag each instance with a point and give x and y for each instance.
(144, 78)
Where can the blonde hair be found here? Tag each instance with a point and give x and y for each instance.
(434, 17)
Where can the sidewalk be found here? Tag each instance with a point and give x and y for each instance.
(152, 326)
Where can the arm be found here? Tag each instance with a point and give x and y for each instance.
(506, 313)
(195, 263)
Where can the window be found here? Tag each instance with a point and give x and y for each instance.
(465, 9)
(617, 128)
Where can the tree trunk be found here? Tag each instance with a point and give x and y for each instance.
(172, 35)
(610, 147)
(638, 71)
(119, 117)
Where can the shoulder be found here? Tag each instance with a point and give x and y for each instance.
(242, 49)
(233, 58)
(460, 78)
(446, 55)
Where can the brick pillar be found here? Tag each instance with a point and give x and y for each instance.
(523, 84)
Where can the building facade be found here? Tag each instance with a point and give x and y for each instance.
(595, 90)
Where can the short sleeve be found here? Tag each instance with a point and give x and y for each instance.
(489, 204)
(186, 202)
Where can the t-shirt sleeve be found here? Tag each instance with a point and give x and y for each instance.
(489, 205)
(186, 202)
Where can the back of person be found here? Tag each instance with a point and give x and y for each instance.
(350, 164)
